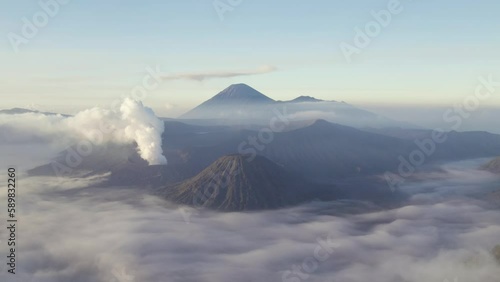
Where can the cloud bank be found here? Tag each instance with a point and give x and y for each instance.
(201, 76)
(126, 235)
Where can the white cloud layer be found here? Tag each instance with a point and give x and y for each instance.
(74, 230)
(74, 233)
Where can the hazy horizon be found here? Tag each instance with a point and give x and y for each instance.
(292, 48)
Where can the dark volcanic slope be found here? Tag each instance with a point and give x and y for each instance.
(493, 166)
(320, 151)
(124, 164)
(233, 183)
(326, 149)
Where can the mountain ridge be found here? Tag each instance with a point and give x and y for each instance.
(304, 99)
(241, 104)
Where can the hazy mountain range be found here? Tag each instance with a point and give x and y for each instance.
(240, 103)
(306, 159)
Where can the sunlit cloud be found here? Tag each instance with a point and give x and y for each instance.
(201, 76)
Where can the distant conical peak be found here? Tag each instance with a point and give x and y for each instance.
(239, 86)
(241, 91)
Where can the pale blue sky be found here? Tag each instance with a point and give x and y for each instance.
(91, 52)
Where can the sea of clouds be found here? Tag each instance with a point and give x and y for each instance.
(74, 229)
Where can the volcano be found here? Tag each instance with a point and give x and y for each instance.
(233, 183)
(238, 93)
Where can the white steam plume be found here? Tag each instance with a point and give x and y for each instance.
(129, 123)
(145, 129)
